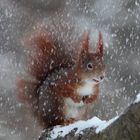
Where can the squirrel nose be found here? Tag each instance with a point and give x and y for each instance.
(102, 77)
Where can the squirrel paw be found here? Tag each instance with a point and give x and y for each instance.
(89, 99)
(76, 98)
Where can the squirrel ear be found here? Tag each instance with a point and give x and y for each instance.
(99, 49)
(85, 42)
(84, 48)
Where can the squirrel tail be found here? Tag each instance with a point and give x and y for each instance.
(27, 90)
(39, 45)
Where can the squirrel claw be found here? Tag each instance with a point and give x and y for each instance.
(87, 100)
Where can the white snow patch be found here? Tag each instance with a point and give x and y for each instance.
(95, 122)
(137, 98)
(106, 124)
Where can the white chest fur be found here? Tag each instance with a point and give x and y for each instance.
(74, 110)
(78, 110)
(86, 89)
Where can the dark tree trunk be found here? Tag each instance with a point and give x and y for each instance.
(127, 127)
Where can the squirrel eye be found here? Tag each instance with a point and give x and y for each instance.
(89, 66)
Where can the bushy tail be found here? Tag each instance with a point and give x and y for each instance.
(40, 46)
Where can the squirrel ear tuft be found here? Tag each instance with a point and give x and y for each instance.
(85, 41)
(99, 49)
(84, 48)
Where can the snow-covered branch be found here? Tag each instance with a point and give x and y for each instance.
(126, 127)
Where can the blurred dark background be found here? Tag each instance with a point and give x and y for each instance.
(119, 21)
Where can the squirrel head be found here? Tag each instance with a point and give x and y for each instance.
(90, 65)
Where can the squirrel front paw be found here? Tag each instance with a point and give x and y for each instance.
(89, 99)
(76, 98)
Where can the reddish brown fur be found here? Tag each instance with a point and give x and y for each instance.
(39, 60)
(42, 52)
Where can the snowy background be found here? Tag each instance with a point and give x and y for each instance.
(119, 20)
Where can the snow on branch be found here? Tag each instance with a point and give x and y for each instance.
(137, 98)
(124, 127)
(95, 122)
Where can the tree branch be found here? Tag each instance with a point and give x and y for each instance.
(126, 127)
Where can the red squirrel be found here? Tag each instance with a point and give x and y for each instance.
(61, 89)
